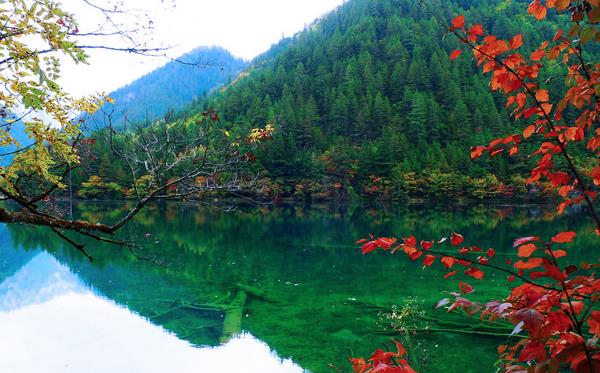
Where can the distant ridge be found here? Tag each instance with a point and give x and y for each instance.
(171, 87)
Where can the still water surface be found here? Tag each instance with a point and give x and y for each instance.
(269, 290)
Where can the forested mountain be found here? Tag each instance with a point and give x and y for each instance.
(366, 101)
(367, 97)
(172, 86)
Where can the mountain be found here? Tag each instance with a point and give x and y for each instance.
(366, 101)
(367, 97)
(171, 87)
(155, 95)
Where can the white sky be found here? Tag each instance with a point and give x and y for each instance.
(245, 27)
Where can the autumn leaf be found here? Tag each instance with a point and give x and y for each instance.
(401, 351)
(465, 288)
(458, 23)
(537, 55)
(530, 264)
(533, 350)
(410, 241)
(448, 262)
(455, 53)
(594, 322)
(542, 95)
(426, 245)
(450, 274)
(415, 255)
(476, 30)
(559, 178)
(564, 237)
(477, 151)
(474, 272)
(428, 261)
(516, 42)
(537, 10)
(456, 239)
(525, 251)
(595, 174)
(359, 365)
(558, 35)
(530, 130)
(559, 253)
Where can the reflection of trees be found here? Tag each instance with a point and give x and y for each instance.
(302, 264)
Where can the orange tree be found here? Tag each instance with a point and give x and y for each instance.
(555, 301)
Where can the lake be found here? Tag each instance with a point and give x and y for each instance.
(260, 289)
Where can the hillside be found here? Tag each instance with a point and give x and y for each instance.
(368, 98)
(367, 102)
(173, 86)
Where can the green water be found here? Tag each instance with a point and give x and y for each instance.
(292, 278)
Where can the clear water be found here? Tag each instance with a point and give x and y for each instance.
(270, 289)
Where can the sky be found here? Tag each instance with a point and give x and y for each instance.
(244, 27)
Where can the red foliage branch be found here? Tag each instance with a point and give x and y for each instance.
(554, 313)
(554, 305)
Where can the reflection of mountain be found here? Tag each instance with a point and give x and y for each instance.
(298, 271)
(50, 322)
(11, 260)
(40, 280)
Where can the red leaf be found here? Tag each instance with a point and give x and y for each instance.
(559, 253)
(415, 255)
(537, 10)
(458, 23)
(594, 322)
(410, 240)
(551, 271)
(516, 42)
(448, 262)
(530, 264)
(426, 245)
(382, 356)
(533, 350)
(525, 251)
(428, 261)
(558, 35)
(450, 274)
(465, 288)
(401, 350)
(476, 30)
(368, 247)
(537, 55)
(527, 132)
(564, 237)
(359, 365)
(456, 239)
(531, 317)
(455, 53)
(559, 178)
(542, 95)
(477, 151)
(474, 272)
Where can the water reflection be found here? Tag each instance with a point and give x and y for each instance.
(51, 322)
(289, 276)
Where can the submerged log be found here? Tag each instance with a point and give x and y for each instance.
(255, 292)
(232, 325)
